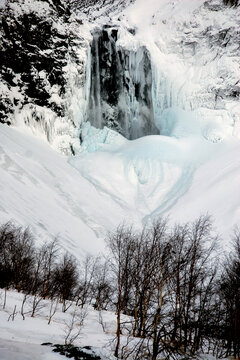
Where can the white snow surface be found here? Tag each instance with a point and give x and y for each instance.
(21, 339)
(113, 180)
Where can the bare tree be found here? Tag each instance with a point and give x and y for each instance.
(84, 290)
(230, 300)
(53, 309)
(22, 306)
(64, 280)
(16, 256)
(74, 326)
(121, 244)
(49, 257)
(170, 280)
(102, 289)
(14, 313)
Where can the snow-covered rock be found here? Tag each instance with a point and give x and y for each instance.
(117, 64)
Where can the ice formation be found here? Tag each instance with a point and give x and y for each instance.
(126, 69)
(121, 86)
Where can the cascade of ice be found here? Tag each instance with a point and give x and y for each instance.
(169, 85)
(95, 86)
(132, 88)
(87, 83)
(121, 86)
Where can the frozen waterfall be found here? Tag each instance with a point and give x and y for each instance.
(121, 86)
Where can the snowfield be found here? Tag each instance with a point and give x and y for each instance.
(21, 339)
(80, 198)
(190, 169)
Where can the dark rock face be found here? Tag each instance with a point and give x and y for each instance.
(35, 48)
(48, 81)
(27, 49)
(121, 86)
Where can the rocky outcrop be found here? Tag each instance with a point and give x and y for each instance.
(40, 65)
(32, 56)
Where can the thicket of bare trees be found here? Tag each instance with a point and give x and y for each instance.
(228, 327)
(181, 300)
(41, 272)
(178, 297)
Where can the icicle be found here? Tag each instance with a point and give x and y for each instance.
(87, 86)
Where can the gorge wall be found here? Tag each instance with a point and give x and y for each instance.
(61, 68)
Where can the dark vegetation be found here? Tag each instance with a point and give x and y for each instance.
(180, 298)
(74, 352)
(231, 2)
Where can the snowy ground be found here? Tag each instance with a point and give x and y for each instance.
(21, 339)
(11, 349)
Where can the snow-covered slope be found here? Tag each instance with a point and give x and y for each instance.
(39, 188)
(81, 198)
